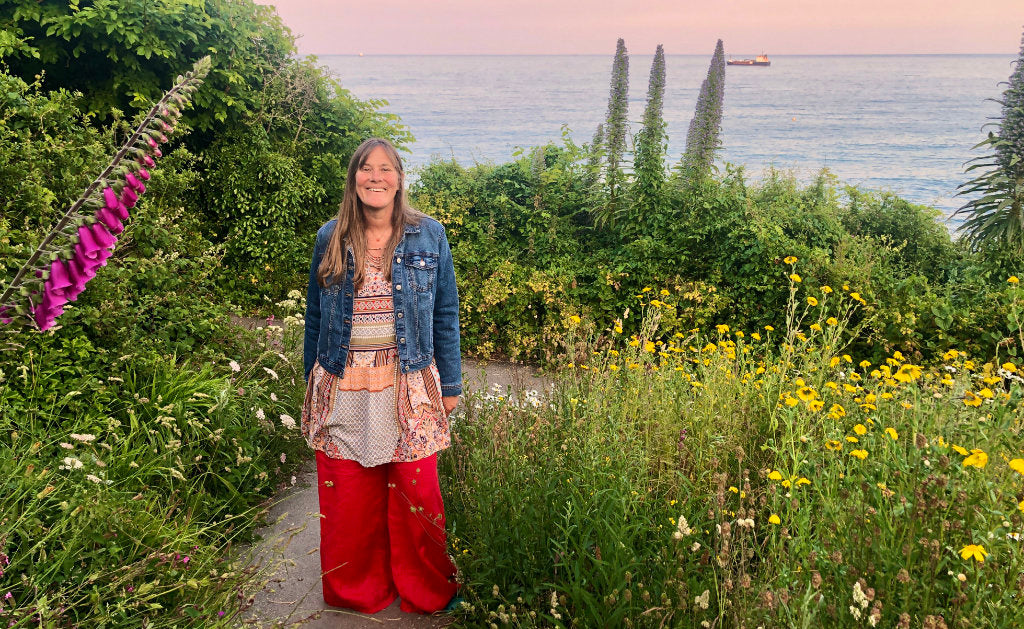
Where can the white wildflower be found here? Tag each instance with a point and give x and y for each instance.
(83, 438)
(234, 366)
(93, 478)
(747, 523)
(288, 421)
(695, 547)
(273, 397)
(71, 463)
(293, 480)
(683, 527)
(854, 612)
(273, 374)
(294, 294)
(260, 415)
(66, 445)
(858, 595)
(284, 457)
(177, 474)
(702, 600)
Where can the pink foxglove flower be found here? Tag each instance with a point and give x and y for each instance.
(121, 211)
(59, 281)
(88, 245)
(128, 197)
(103, 236)
(91, 243)
(110, 197)
(110, 220)
(134, 183)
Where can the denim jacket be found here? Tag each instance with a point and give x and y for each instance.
(426, 307)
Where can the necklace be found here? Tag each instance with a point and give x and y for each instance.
(375, 261)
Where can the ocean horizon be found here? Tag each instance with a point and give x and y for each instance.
(899, 123)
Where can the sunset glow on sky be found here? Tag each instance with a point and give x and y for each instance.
(683, 26)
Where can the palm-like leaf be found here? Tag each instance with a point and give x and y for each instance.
(997, 215)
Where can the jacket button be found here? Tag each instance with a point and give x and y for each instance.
(398, 260)
(398, 287)
(401, 340)
(348, 321)
(423, 263)
(399, 315)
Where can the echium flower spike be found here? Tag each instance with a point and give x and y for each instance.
(80, 243)
(616, 128)
(703, 136)
(649, 163)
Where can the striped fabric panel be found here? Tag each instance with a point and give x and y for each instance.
(373, 317)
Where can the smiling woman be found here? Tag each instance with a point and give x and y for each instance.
(376, 185)
(383, 372)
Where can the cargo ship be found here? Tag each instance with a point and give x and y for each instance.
(760, 60)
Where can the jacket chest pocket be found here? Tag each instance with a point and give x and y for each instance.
(420, 270)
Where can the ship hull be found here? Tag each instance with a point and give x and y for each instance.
(747, 62)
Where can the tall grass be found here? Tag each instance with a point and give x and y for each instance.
(744, 478)
(129, 483)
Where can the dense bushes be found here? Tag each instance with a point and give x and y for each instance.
(523, 244)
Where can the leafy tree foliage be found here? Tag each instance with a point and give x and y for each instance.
(117, 54)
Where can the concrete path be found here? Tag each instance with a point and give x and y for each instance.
(289, 552)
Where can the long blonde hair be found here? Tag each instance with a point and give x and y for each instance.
(350, 230)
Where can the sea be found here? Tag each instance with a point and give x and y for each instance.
(904, 123)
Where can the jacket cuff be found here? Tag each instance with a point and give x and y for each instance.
(451, 389)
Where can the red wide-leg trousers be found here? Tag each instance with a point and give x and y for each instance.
(382, 536)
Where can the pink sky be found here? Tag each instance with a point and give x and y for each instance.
(683, 26)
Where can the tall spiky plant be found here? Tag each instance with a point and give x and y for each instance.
(649, 163)
(997, 215)
(595, 154)
(616, 128)
(703, 138)
(85, 236)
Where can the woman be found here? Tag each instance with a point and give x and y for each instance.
(383, 373)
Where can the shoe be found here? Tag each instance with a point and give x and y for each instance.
(454, 604)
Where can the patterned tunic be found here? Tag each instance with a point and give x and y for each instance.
(374, 414)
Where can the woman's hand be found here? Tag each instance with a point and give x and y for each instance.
(450, 402)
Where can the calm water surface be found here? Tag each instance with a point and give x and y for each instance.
(899, 123)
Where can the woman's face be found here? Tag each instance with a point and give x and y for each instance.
(377, 181)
